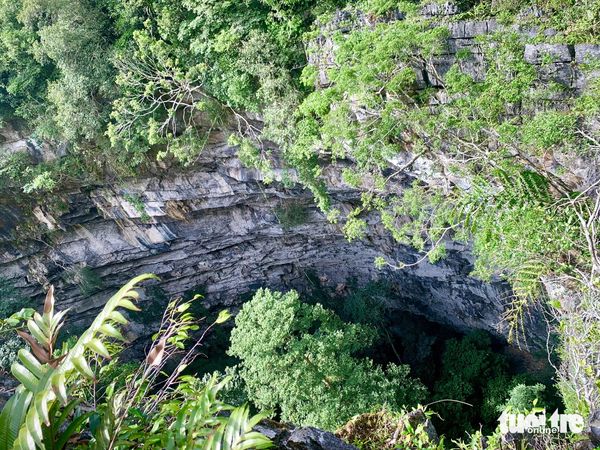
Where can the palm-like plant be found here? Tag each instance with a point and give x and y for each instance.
(200, 423)
(44, 378)
(13, 416)
(41, 412)
(174, 411)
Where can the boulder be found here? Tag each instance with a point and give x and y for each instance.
(287, 437)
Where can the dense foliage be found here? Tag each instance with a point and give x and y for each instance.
(118, 82)
(374, 112)
(298, 361)
(58, 385)
(104, 88)
(303, 361)
(472, 372)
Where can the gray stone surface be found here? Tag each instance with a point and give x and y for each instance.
(214, 228)
(548, 53)
(303, 438)
(13, 140)
(440, 9)
(586, 53)
(310, 438)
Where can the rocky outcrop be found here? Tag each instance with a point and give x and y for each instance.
(564, 64)
(215, 229)
(286, 437)
(13, 140)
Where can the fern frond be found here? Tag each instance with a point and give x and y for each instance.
(12, 416)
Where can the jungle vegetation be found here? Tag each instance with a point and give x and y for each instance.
(112, 86)
(297, 362)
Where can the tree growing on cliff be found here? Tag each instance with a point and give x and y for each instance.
(302, 361)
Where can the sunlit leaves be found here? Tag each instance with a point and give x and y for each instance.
(299, 359)
(48, 377)
(194, 418)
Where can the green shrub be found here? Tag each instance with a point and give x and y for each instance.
(523, 398)
(387, 430)
(549, 128)
(138, 204)
(300, 360)
(360, 304)
(471, 372)
(137, 406)
(291, 214)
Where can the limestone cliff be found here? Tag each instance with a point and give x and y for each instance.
(215, 227)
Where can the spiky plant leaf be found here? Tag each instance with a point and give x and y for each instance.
(236, 432)
(31, 363)
(83, 367)
(54, 382)
(97, 346)
(108, 330)
(40, 353)
(41, 405)
(12, 416)
(128, 304)
(117, 317)
(58, 386)
(24, 376)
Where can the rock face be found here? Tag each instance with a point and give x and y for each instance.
(215, 229)
(13, 140)
(305, 438)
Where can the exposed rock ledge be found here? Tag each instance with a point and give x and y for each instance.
(215, 227)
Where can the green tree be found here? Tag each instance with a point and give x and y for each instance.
(523, 398)
(471, 372)
(188, 58)
(301, 360)
(57, 71)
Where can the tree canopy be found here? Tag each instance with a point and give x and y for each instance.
(303, 362)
